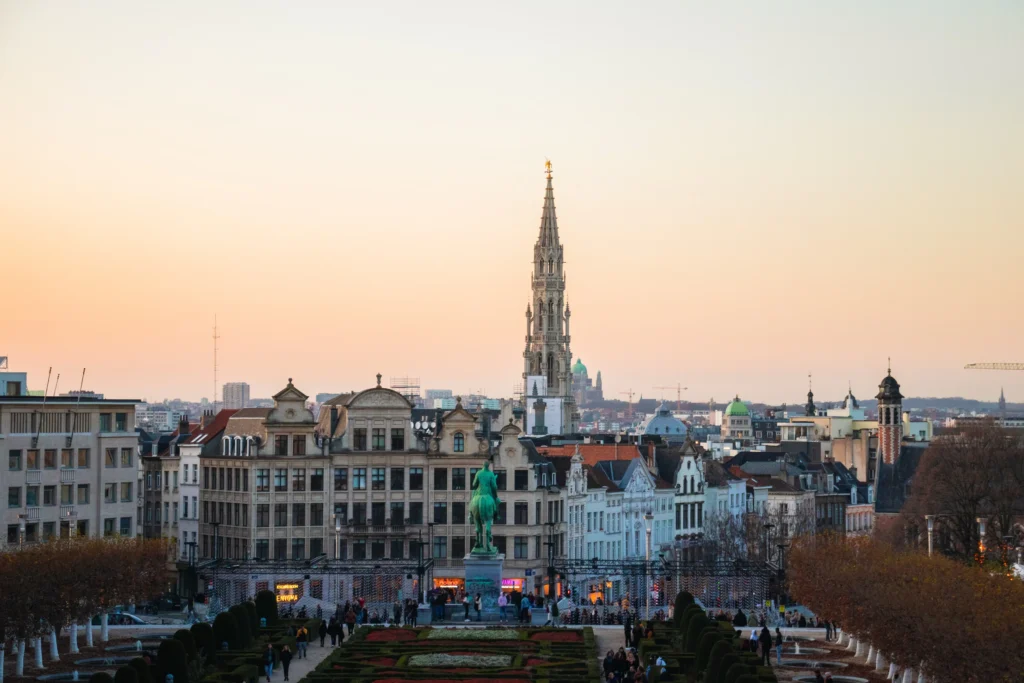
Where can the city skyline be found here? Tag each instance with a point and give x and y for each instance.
(744, 197)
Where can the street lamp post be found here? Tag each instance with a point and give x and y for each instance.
(648, 517)
(981, 539)
(337, 537)
(551, 561)
(768, 526)
(21, 529)
(216, 555)
(930, 519)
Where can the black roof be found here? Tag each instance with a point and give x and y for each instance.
(889, 389)
(892, 485)
(65, 399)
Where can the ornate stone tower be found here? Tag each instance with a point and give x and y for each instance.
(890, 419)
(1002, 406)
(547, 351)
(810, 409)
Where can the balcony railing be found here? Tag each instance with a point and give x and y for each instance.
(32, 513)
(67, 476)
(32, 476)
(66, 511)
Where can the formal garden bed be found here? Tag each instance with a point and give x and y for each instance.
(461, 655)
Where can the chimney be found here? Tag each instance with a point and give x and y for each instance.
(183, 429)
(650, 455)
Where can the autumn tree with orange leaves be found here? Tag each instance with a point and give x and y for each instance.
(953, 621)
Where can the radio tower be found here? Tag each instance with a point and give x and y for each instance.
(215, 338)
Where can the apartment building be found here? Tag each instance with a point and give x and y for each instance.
(71, 467)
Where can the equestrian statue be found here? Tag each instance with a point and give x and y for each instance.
(483, 507)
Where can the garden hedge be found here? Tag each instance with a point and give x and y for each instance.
(242, 622)
(225, 630)
(101, 677)
(172, 659)
(142, 669)
(254, 618)
(683, 600)
(203, 636)
(186, 638)
(266, 607)
(126, 674)
(708, 640)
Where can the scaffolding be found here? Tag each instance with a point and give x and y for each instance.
(408, 387)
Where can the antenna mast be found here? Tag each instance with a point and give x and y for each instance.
(215, 338)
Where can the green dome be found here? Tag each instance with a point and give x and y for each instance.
(737, 408)
(579, 368)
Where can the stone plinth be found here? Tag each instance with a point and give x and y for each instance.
(483, 576)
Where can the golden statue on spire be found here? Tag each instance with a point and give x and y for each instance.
(547, 167)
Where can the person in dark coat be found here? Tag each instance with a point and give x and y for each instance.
(765, 641)
(322, 631)
(627, 625)
(638, 634)
(268, 661)
(286, 659)
(803, 622)
(740, 619)
(332, 630)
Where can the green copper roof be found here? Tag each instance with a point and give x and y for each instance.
(579, 368)
(737, 408)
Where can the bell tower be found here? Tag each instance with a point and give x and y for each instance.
(890, 419)
(547, 352)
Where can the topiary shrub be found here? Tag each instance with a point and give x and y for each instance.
(242, 619)
(722, 656)
(101, 677)
(254, 618)
(126, 674)
(143, 671)
(172, 659)
(225, 630)
(707, 641)
(689, 613)
(693, 629)
(683, 600)
(185, 636)
(748, 678)
(737, 670)
(266, 607)
(202, 634)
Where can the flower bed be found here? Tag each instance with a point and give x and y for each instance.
(472, 634)
(475, 660)
(386, 635)
(558, 636)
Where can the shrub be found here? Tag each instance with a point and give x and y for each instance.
(143, 671)
(242, 620)
(225, 630)
(683, 600)
(185, 636)
(172, 659)
(723, 655)
(689, 613)
(693, 629)
(126, 674)
(707, 641)
(254, 618)
(266, 607)
(202, 634)
(737, 670)
(101, 677)
(748, 678)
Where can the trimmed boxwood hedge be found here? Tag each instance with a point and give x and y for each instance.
(172, 659)
(126, 674)
(683, 600)
(254, 618)
(242, 623)
(203, 636)
(101, 677)
(185, 636)
(708, 640)
(266, 607)
(142, 670)
(225, 630)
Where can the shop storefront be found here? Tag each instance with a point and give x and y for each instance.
(455, 584)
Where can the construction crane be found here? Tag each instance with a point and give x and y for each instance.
(630, 395)
(994, 366)
(679, 394)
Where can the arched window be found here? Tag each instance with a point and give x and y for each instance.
(225, 445)
(460, 442)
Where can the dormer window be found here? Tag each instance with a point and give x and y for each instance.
(460, 442)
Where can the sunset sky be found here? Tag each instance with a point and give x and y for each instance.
(746, 191)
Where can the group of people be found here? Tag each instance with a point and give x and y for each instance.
(624, 667)
(636, 630)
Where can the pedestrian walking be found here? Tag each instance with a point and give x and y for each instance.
(778, 646)
(627, 625)
(524, 610)
(350, 621)
(332, 630)
(396, 609)
(286, 660)
(502, 604)
(268, 660)
(301, 640)
(477, 605)
(765, 642)
(323, 632)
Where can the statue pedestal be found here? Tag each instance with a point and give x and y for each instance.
(483, 576)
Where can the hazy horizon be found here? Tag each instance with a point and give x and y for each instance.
(746, 192)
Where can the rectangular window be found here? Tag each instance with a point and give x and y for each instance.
(14, 460)
(31, 496)
(262, 548)
(280, 480)
(397, 442)
(458, 513)
(220, 479)
(108, 526)
(522, 548)
(316, 514)
(415, 513)
(49, 495)
(67, 458)
(298, 548)
(298, 514)
(126, 457)
(316, 479)
(262, 515)
(500, 517)
(83, 458)
(397, 549)
(472, 477)
(299, 479)
(359, 550)
(502, 480)
(120, 422)
(316, 548)
(377, 513)
(299, 444)
(377, 478)
(458, 546)
(378, 439)
(126, 527)
(83, 494)
(341, 512)
(281, 444)
(280, 548)
(280, 514)
(499, 543)
(377, 549)
(440, 513)
(440, 547)
(522, 512)
(522, 480)
(238, 516)
(32, 459)
(415, 478)
(238, 479)
(341, 479)
(105, 422)
(397, 513)
(50, 458)
(359, 513)
(359, 439)
(358, 478)
(262, 481)
(440, 479)
(126, 492)
(397, 478)
(67, 494)
(458, 479)
(206, 478)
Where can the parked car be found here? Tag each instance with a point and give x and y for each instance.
(121, 619)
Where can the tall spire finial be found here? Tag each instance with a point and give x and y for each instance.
(810, 382)
(889, 363)
(547, 167)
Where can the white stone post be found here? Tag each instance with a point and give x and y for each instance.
(54, 654)
(879, 660)
(852, 645)
(104, 628)
(871, 654)
(88, 632)
(859, 652)
(37, 646)
(73, 638)
(19, 665)
(892, 671)
(908, 675)
(920, 675)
